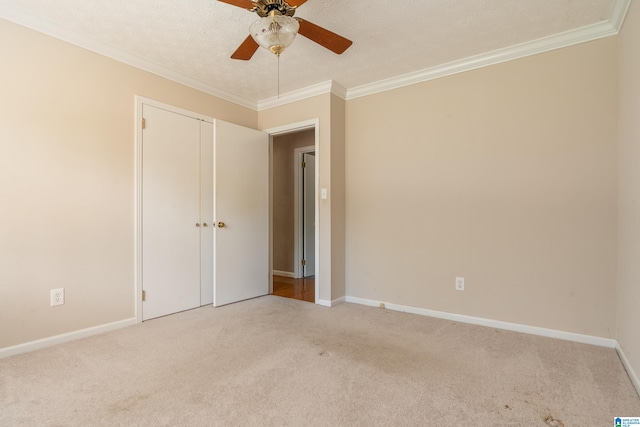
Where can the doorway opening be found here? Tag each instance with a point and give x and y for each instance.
(294, 214)
(303, 289)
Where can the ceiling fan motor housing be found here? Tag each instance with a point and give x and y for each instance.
(273, 7)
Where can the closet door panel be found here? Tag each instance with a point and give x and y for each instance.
(241, 210)
(170, 212)
(206, 213)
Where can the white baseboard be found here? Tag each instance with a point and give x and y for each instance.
(338, 301)
(625, 362)
(63, 338)
(327, 303)
(284, 274)
(533, 330)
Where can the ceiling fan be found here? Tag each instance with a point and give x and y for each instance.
(276, 28)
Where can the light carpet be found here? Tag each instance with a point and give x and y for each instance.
(276, 361)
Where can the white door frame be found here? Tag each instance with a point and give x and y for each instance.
(298, 233)
(140, 101)
(283, 130)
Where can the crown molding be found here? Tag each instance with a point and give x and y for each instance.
(545, 44)
(619, 13)
(307, 92)
(15, 14)
(338, 90)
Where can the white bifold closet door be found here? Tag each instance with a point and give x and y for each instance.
(241, 209)
(205, 212)
(171, 224)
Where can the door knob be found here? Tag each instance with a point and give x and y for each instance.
(221, 224)
(197, 224)
(205, 225)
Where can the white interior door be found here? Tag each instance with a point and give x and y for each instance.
(241, 211)
(309, 201)
(170, 212)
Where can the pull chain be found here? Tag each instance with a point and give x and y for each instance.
(278, 76)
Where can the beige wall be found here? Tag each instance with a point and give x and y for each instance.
(629, 190)
(283, 196)
(338, 200)
(504, 175)
(67, 180)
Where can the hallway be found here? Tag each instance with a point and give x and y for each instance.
(303, 289)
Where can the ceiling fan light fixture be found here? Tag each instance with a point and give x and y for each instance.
(275, 32)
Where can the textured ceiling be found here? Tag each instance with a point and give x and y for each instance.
(195, 38)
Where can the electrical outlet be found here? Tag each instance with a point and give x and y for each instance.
(57, 296)
(459, 283)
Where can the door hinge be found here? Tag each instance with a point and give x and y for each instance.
(144, 295)
(304, 164)
(304, 262)
(144, 123)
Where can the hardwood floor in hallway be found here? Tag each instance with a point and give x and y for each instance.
(303, 289)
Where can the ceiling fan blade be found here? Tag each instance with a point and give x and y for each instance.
(245, 4)
(296, 3)
(246, 49)
(323, 37)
